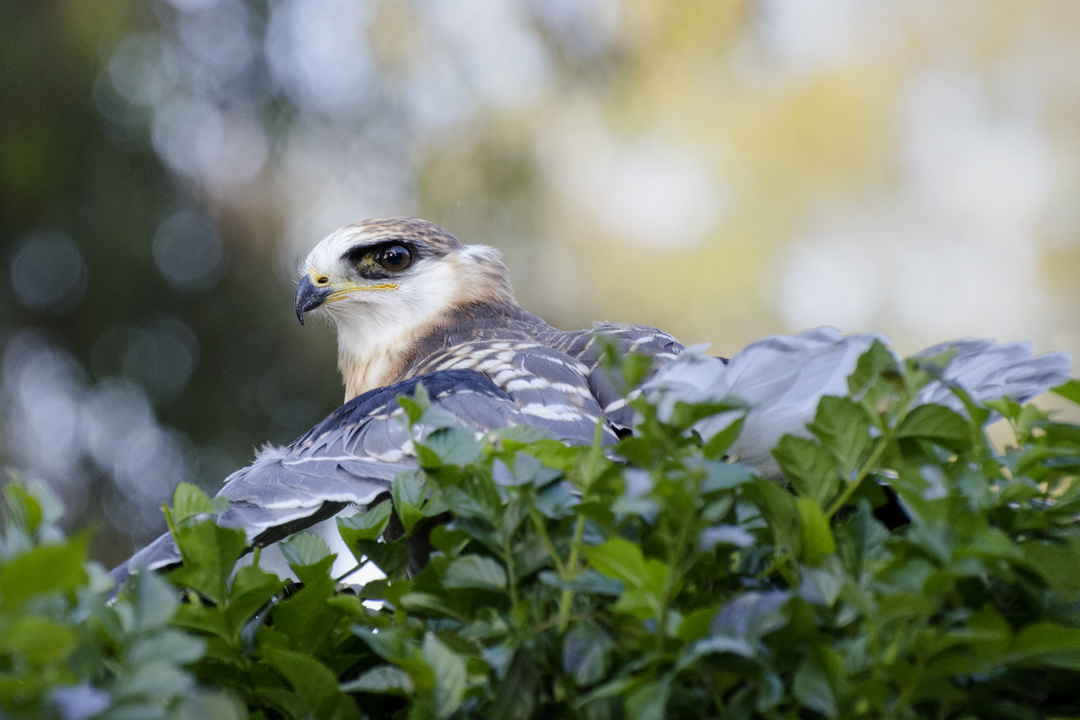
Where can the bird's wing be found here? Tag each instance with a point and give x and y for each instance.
(352, 456)
(550, 388)
(782, 379)
(988, 371)
(587, 347)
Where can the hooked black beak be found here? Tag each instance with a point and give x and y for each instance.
(309, 296)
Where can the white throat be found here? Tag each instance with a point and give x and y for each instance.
(378, 329)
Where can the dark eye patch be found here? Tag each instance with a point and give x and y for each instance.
(385, 259)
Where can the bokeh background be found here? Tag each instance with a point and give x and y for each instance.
(723, 169)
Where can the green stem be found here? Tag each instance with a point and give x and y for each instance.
(568, 595)
(870, 464)
(350, 572)
(511, 574)
(674, 574)
(541, 530)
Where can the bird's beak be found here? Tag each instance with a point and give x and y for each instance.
(309, 296)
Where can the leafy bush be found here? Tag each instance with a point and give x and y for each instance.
(910, 570)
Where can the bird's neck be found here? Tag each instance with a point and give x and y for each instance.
(462, 300)
(376, 354)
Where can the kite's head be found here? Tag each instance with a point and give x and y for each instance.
(385, 282)
(396, 264)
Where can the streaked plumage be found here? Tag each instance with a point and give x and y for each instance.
(412, 304)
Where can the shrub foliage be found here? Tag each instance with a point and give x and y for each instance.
(908, 569)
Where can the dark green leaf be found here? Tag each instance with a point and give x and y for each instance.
(619, 559)
(811, 687)
(870, 366)
(210, 552)
(586, 653)
(188, 502)
(808, 466)
(589, 581)
(304, 549)
(474, 571)
(449, 669)
(1070, 390)
(382, 679)
(408, 493)
(937, 424)
(314, 683)
(725, 475)
(42, 570)
(649, 701)
(816, 538)
(843, 430)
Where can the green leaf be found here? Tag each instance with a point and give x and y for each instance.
(408, 494)
(819, 586)
(22, 508)
(516, 695)
(696, 625)
(475, 571)
(778, 507)
(154, 599)
(619, 559)
(304, 549)
(188, 502)
(1043, 638)
(38, 639)
(816, 538)
(843, 430)
(870, 366)
(808, 466)
(210, 553)
(722, 441)
(382, 679)
(453, 446)
(314, 683)
(725, 475)
(170, 646)
(304, 617)
(811, 687)
(685, 414)
(590, 582)
(1055, 563)
(252, 587)
(586, 653)
(937, 424)
(649, 701)
(1070, 390)
(449, 669)
(43, 570)
(390, 557)
(368, 525)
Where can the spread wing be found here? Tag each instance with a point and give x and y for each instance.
(782, 379)
(354, 454)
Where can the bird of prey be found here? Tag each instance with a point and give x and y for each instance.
(412, 304)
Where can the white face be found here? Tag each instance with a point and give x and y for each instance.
(351, 268)
(377, 286)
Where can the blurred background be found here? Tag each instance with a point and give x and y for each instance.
(723, 169)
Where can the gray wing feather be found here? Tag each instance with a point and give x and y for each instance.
(350, 458)
(782, 379)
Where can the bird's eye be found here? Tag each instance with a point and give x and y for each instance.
(395, 258)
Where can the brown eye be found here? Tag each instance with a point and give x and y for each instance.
(395, 258)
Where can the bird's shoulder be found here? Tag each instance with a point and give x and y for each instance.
(587, 346)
